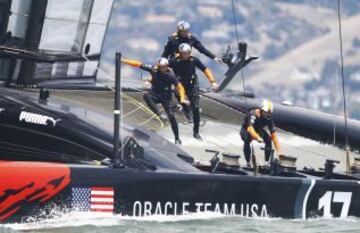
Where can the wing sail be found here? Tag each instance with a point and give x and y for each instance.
(308, 123)
(49, 40)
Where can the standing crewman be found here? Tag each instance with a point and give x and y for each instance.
(162, 78)
(184, 66)
(171, 49)
(183, 35)
(253, 129)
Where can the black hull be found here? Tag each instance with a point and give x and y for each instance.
(157, 177)
(141, 193)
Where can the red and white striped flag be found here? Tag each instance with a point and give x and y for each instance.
(102, 199)
(93, 199)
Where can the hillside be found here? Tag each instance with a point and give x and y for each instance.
(297, 41)
(305, 63)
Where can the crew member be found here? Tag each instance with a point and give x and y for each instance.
(184, 66)
(162, 78)
(253, 129)
(183, 35)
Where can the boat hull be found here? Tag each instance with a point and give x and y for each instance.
(30, 191)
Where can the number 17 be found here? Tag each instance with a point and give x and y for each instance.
(338, 197)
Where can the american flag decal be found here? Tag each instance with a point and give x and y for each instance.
(94, 199)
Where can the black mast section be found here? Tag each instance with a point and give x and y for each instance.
(117, 109)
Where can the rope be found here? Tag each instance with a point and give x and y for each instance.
(335, 103)
(238, 41)
(347, 146)
(131, 112)
(242, 71)
(146, 121)
(234, 19)
(145, 109)
(342, 74)
(138, 104)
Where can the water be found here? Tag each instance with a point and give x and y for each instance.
(201, 222)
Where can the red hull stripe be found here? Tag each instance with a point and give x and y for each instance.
(101, 210)
(101, 189)
(101, 203)
(101, 196)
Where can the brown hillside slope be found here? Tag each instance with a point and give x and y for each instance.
(309, 56)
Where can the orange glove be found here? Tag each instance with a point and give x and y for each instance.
(254, 134)
(133, 63)
(209, 75)
(181, 91)
(276, 142)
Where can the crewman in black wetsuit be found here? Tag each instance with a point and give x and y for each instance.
(183, 35)
(162, 78)
(253, 129)
(171, 49)
(184, 66)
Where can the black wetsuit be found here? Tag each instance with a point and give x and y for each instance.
(185, 71)
(172, 45)
(161, 93)
(258, 123)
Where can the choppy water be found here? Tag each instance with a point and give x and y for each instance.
(204, 222)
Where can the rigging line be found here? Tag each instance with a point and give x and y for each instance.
(135, 102)
(234, 19)
(131, 112)
(145, 109)
(148, 120)
(238, 41)
(342, 74)
(335, 104)
(139, 105)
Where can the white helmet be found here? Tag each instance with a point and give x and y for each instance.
(182, 25)
(267, 106)
(184, 48)
(162, 61)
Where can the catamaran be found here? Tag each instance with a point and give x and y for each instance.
(59, 156)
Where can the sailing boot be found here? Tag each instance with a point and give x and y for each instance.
(178, 141)
(197, 136)
(196, 117)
